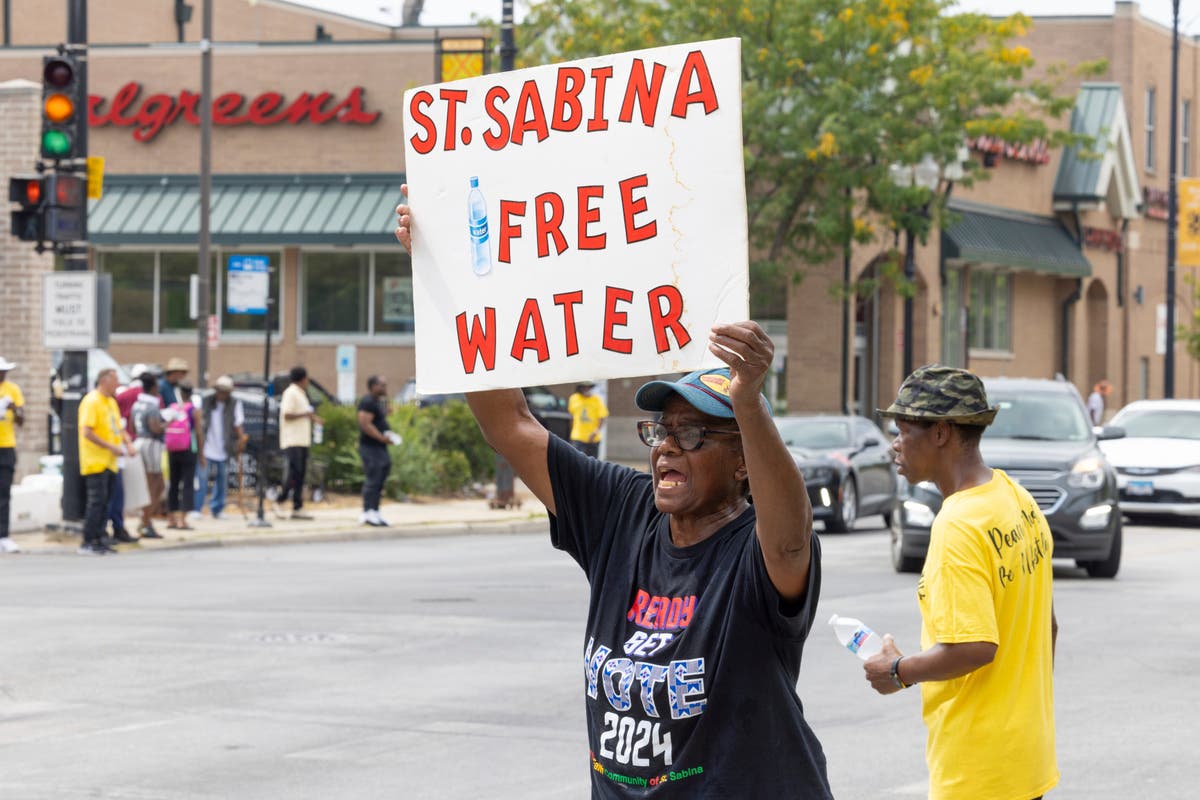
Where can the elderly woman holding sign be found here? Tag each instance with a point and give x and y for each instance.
(700, 601)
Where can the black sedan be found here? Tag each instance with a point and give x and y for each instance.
(847, 466)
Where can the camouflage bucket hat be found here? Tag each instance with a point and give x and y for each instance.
(935, 392)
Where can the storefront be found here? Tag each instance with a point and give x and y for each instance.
(307, 163)
(1053, 264)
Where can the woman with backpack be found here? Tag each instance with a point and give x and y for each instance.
(181, 438)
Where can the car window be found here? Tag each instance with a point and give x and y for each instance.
(541, 399)
(1038, 415)
(814, 434)
(1163, 423)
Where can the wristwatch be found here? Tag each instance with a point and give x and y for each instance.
(896, 674)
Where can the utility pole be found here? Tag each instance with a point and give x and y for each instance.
(75, 362)
(203, 271)
(508, 47)
(1172, 208)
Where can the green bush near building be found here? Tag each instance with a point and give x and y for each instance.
(443, 451)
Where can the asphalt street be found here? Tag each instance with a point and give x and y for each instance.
(450, 667)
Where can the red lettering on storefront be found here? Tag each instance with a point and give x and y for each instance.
(159, 111)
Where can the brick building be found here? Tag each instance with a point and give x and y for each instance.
(1056, 264)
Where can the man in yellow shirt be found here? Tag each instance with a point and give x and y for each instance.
(987, 609)
(12, 412)
(102, 439)
(588, 414)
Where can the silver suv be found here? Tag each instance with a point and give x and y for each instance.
(1043, 440)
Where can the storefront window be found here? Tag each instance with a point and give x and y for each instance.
(336, 287)
(952, 304)
(174, 275)
(393, 293)
(132, 289)
(989, 319)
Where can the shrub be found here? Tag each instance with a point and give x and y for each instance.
(442, 451)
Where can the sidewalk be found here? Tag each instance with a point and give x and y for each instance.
(331, 522)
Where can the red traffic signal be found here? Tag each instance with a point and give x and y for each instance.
(26, 191)
(58, 71)
(50, 208)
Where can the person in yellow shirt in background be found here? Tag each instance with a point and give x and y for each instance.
(102, 439)
(12, 412)
(588, 414)
(986, 597)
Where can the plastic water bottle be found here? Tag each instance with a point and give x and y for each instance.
(477, 220)
(318, 433)
(855, 636)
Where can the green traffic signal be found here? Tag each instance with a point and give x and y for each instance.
(55, 144)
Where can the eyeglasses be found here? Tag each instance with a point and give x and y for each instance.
(688, 437)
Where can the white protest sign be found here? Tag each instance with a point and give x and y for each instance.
(577, 221)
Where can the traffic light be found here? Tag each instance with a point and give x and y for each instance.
(27, 219)
(65, 204)
(64, 111)
(51, 208)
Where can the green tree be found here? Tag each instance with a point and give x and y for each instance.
(835, 92)
(1189, 332)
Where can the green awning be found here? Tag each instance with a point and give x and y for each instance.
(983, 234)
(349, 209)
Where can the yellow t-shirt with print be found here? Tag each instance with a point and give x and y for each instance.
(987, 578)
(101, 414)
(587, 412)
(9, 390)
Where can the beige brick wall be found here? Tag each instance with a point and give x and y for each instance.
(43, 22)
(22, 268)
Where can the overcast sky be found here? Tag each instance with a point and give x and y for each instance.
(459, 12)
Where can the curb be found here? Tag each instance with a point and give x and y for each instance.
(353, 534)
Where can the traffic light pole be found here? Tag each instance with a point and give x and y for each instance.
(203, 268)
(75, 362)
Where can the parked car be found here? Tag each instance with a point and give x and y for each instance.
(249, 389)
(1158, 460)
(847, 467)
(547, 407)
(1042, 438)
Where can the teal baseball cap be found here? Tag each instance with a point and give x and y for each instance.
(706, 390)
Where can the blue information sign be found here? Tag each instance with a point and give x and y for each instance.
(248, 285)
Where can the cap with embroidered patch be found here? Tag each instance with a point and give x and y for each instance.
(707, 390)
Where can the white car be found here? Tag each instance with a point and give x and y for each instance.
(1158, 460)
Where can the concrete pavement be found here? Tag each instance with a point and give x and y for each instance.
(334, 520)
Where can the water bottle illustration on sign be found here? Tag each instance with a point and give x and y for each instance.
(477, 224)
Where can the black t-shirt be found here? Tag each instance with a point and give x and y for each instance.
(373, 406)
(690, 661)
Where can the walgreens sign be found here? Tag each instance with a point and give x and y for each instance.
(150, 115)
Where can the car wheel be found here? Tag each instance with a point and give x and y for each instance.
(900, 562)
(847, 511)
(1107, 568)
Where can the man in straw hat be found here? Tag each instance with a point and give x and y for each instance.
(986, 598)
(12, 413)
(175, 371)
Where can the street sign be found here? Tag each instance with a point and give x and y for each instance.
(69, 310)
(95, 177)
(346, 371)
(248, 285)
(1188, 233)
(214, 331)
